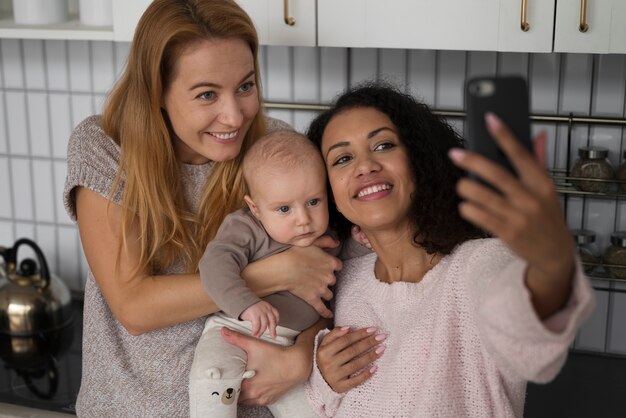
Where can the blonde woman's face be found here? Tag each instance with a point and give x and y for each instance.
(212, 100)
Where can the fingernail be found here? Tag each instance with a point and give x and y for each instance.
(492, 120)
(373, 369)
(456, 154)
(370, 330)
(380, 337)
(345, 328)
(380, 349)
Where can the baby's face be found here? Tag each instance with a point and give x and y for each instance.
(291, 203)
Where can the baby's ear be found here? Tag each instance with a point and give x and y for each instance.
(213, 373)
(252, 206)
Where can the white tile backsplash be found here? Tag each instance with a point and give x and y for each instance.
(61, 123)
(68, 249)
(481, 64)
(610, 85)
(43, 191)
(3, 125)
(59, 173)
(450, 82)
(81, 105)
(423, 75)
(617, 335)
(12, 71)
(6, 232)
(576, 84)
(46, 239)
(16, 120)
(22, 188)
(333, 72)
(363, 64)
(592, 334)
(6, 207)
(80, 66)
(49, 86)
(57, 65)
(34, 68)
(103, 66)
(543, 82)
(393, 66)
(513, 63)
(279, 85)
(38, 124)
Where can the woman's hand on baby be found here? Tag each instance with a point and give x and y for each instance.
(313, 272)
(277, 369)
(359, 236)
(345, 356)
(526, 214)
(263, 316)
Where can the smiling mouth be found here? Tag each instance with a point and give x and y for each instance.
(373, 189)
(225, 136)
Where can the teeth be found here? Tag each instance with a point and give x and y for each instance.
(374, 189)
(225, 136)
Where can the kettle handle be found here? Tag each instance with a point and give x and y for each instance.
(11, 257)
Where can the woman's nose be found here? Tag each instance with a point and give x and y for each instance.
(367, 166)
(230, 112)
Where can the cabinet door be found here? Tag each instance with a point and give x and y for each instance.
(567, 34)
(540, 24)
(126, 14)
(421, 24)
(269, 20)
(268, 17)
(617, 44)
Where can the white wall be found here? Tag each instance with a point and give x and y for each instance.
(47, 87)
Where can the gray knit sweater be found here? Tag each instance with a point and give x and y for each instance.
(124, 375)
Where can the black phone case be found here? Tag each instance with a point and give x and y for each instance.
(508, 100)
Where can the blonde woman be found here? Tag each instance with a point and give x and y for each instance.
(149, 183)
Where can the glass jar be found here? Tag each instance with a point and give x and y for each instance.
(587, 250)
(592, 163)
(620, 173)
(615, 255)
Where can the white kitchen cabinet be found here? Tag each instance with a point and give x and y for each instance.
(126, 14)
(270, 19)
(606, 26)
(488, 25)
(72, 29)
(539, 26)
(420, 24)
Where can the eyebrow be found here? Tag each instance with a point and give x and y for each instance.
(217, 86)
(370, 135)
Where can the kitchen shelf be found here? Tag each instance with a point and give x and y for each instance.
(72, 29)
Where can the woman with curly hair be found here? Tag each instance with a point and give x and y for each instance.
(462, 320)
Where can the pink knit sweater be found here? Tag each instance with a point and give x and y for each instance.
(461, 343)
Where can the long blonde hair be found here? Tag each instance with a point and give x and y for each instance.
(149, 171)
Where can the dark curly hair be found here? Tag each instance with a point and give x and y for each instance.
(427, 138)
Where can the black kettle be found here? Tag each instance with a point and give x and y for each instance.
(35, 309)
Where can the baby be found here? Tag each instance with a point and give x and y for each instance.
(287, 206)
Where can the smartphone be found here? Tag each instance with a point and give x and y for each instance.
(507, 98)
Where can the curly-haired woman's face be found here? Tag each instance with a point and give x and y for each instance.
(368, 169)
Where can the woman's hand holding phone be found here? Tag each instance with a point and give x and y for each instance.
(523, 211)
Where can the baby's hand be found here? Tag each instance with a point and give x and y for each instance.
(359, 236)
(263, 316)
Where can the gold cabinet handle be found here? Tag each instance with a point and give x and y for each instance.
(583, 26)
(288, 19)
(525, 26)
